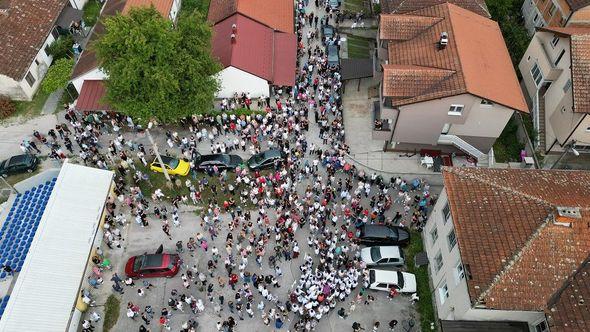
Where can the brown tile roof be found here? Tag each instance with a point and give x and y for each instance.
(406, 6)
(279, 15)
(404, 27)
(162, 6)
(25, 27)
(578, 4)
(569, 308)
(476, 53)
(503, 220)
(403, 82)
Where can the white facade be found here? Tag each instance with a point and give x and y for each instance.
(449, 275)
(94, 74)
(234, 80)
(174, 10)
(78, 4)
(22, 90)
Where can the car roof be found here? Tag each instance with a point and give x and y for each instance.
(153, 261)
(385, 276)
(18, 159)
(272, 153)
(390, 252)
(210, 157)
(375, 230)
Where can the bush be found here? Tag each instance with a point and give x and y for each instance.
(91, 12)
(61, 48)
(507, 13)
(507, 147)
(7, 107)
(111, 312)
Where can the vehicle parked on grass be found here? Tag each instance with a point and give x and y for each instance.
(18, 164)
(221, 160)
(384, 235)
(174, 166)
(383, 255)
(384, 280)
(333, 56)
(265, 159)
(152, 266)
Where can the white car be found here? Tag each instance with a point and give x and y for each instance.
(384, 280)
(386, 255)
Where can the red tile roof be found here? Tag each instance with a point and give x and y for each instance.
(569, 309)
(504, 222)
(91, 96)
(162, 6)
(257, 49)
(580, 63)
(277, 14)
(25, 26)
(406, 6)
(476, 53)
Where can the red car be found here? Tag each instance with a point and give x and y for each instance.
(152, 266)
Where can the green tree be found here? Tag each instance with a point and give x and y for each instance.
(156, 70)
(61, 48)
(58, 75)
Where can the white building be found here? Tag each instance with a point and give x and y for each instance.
(504, 246)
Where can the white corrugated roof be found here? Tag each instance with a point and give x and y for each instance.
(47, 286)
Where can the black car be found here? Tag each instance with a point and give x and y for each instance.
(265, 159)
(333, 57)
(221, 160)
(384, 235)
(18, 164)
(327, 32)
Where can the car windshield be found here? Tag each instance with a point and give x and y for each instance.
(394, 233)
(371, 276)
(259, 157)
(173, 163)
(138, 262)
(375, 254)
(400, 279)
(2, 164)
(225, 158)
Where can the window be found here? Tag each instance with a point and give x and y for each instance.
(459, 273)
(452, 239)
(554, 41)
(537, 75)
(567, 86)
(45, 50)
(446, 213)
(438, 262)
(434, 234)
(456, 109)
(485, 102)
(55, 33)
(542, 327)
(445, 129)
(588, 129)
(30, 79)
(559, 57)
(443, 293)
(536, 19)
(36, 62)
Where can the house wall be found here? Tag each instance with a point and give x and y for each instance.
(458, 304)
(581, 15)
(175, 9)
(21, 90)
(233, 80)
(479, 125)
(95, 74)
(540, 13)
(78, 4)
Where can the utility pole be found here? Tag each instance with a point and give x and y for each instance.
(155, 146)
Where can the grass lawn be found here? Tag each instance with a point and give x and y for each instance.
(29, 109)
(424, 306)
(16, 178)
(111, 312)
(358, 47)
(91, 12)
(507, 147)
(355, 6)
(171, 190)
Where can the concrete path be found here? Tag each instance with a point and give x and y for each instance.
(52, 102)
(12, 134)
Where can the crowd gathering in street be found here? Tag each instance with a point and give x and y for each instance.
(315, 188)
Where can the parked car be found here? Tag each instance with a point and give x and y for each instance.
(384, 280)
(334, 4)
(18, 164)
(385, 255)
(328, 31)
(174, 166)
(221, 160)
(152, 266)
(333, 57)
(265, 159)
(384, 235)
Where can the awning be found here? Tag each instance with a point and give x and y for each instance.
(91, 96)
(356, 68)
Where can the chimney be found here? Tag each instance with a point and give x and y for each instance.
(567, 215)
(443, 41)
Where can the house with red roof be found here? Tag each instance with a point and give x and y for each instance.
(255, 44)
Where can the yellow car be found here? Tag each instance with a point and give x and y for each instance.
(173, 166)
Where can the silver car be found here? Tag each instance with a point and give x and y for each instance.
(383, 255)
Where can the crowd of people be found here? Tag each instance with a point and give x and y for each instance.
(262, 214)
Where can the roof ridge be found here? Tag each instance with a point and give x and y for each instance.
(454, 41)
(555, 297)
(516, 257)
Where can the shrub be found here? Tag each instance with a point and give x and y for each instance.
(7, 107)
(61, 48)
(111, 312)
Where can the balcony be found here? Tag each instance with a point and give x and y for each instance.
(381, 127)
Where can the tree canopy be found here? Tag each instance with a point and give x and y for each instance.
(157, 70)
(58, 75)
